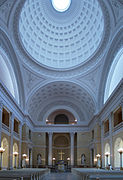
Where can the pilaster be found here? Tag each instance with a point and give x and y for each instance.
(12, 116)
(110, 139)
(72, 148)
(1, 110)
(20, 143)
(50, 149)
(102, 144)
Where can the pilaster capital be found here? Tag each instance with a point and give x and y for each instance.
(1, 105)
(50, 134)
(12, 117)
(72, 134)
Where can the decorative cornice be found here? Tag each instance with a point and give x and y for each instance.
(61, 128)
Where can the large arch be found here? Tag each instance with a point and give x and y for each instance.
(115, 74)
(9, 52)
(116, 45)
(67, 92)
(7, 75)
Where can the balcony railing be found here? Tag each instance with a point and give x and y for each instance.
(119, 126)
(16, 134)
(6, 128)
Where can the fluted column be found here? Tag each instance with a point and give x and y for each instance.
(11, 140)
(1, 109)
(72, 148)
(50, 149)
(20, 143)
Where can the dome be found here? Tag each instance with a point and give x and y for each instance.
(61, 40)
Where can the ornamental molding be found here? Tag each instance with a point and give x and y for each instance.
(5, 10)
(92, 80)
(31, 80)
(61, 129)
(118, 4)
(118, 8)
(63, 73)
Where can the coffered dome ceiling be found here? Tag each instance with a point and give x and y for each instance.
(61, 40)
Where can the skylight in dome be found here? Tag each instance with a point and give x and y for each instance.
(61, 5)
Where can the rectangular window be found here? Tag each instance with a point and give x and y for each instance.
(106, 126)
(5, 117)
(117, 116)
(16, 126)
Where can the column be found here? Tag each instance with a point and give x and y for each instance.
(110, 139)
(50, 149)
(20, 143)
(102, 144)
(1, 109)
(11, 140)
(72, 148)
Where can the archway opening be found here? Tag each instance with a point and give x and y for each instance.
(61, 119)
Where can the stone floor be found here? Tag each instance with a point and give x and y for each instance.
(61, 176)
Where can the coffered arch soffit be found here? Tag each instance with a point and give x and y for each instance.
(64, 106)
(68, 91)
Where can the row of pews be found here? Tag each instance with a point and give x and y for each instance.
(23, 174)
(98, 174)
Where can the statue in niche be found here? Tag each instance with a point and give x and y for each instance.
(39, 161)
(83, 159)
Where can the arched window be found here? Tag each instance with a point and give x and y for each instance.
(7, 75)
(117, 145)
(5, 145)
(107, 150)
(115, 74)
(15, 149)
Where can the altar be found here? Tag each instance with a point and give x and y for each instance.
(61, 165)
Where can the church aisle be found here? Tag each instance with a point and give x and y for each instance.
(61, 176)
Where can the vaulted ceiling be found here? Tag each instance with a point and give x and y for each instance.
(61, 55)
